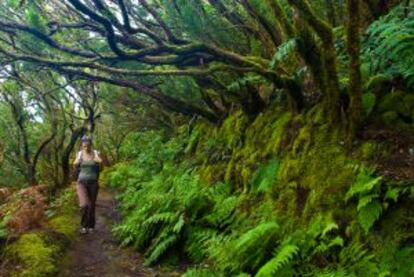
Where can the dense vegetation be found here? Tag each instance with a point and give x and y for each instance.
(242, 137)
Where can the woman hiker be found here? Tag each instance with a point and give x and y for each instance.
(86, 168)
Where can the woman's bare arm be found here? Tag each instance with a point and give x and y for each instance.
(97, 157)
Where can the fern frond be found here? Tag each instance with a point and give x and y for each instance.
(255, 235)
(329, 228)
(265, 176)
(160, 249)
(178, 226)
(283, 52)
(283, 256)
(223, 212)
(365, 200)
(167, 217)
(389, 44)
(365, 182)
(369, 214)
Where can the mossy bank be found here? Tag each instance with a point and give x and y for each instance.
(281, 195)
(39, 252)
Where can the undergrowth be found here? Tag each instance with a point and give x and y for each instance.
(304, 208)
(38, 253)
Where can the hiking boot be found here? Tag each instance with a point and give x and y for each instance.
(91, 230)
(83, 231)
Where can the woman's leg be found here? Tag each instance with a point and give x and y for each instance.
(93, 189)
(84, 203)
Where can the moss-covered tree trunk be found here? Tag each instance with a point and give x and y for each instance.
(329, 57)
(354, 48)
(331, 12)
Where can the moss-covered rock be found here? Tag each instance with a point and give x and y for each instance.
(65, 224)
(34, 256)
(391, 119)
(397, 108)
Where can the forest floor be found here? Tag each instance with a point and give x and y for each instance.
(98, 253)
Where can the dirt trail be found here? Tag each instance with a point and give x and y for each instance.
(98, 254)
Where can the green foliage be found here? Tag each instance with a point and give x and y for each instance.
(3, 229)
(174, 198)
(35, 18)
(367, 189)
(239, 85)
(368, 103)
(202, 272)
(204, 23)
(283, 256)
(249, 247)
(397, 108)
(283, 52)
(172, 210)
(63, 212)
(265, 176)
(34, 255)
(389, 44)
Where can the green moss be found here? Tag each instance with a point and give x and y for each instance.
(35, 256)
(232, 129)
(192, 143)
(399, 102)
(318, 165)
(390, 118)
(212, 173)
(266, 132)
(65, 224)
(302, 141)
(368, 150)
(38, 253)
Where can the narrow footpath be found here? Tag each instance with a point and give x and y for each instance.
(98, 253)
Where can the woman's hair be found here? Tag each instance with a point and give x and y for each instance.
(85, 138)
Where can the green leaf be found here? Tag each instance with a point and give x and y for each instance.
(368, 102)
(265, 176)
(368, 215)
(283, 256)
(393, 194)
(365, 200)
(330, 227)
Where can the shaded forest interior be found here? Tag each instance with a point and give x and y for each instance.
(240, 137)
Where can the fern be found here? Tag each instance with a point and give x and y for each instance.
(283, 52)
(196, 244)
(265, 176)
(364, 183)
(368, 215)
(389, 47)
(223, 212)
(262, 232)
(247, 251)
(167, 217)
(367, 189)
(403, 265)
(241, 83)
(283, 257)
(331, 226)
(160, 247)
(357, 259)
